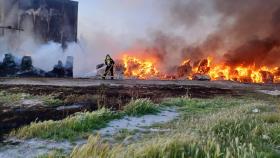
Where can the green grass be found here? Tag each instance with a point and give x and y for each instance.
(141, 107)
(123, 134)
(274, 134)
(69, 128)
(95, 148)
(11, 99)
(221, 127)
(175, 146)
(249, 130)
(51, 101)
(54, 154)
(8, 99)
(271, 118)
(190, 106)
(215, 128)
(78, 125)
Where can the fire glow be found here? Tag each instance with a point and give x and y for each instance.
(141, 67)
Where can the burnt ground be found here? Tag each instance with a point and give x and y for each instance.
(89, 94)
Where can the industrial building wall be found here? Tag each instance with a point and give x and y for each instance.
(52, 20)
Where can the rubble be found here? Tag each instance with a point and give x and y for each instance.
(10, 68)
(201, 77)
(267, 77)
(184, 70)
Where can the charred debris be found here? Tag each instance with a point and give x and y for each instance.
(15, 67)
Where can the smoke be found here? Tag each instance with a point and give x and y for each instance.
(240, 32)
(233, 32)
(87, 52)
(247, 32)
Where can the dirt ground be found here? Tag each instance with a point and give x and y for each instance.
(86, 82)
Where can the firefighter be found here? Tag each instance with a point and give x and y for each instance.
(109, 62)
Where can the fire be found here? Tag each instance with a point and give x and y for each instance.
(147, 67)
(139, 68)
(242, 73)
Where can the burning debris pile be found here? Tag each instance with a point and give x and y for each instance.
(139, 68)
(242, 43)
(11, 67)
(205, 69)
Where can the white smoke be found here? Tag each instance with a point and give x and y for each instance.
(92, 46)
(104, 27)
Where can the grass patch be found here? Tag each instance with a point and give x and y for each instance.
(201, 106)
(54, 154)
(51, 101)
(247, 130)
(8, 99)
(141, 107)
(216, 128)
(78, 125)
(175, 146)
(95, 148)
(271, 118)
(123, 134)
(69, 128)
(274, 134)
(221, 127)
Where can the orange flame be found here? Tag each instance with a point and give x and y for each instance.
(147, 67)
(139, 68)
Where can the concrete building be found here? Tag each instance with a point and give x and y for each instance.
(49, 20)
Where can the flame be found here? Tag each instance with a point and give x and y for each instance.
(242, 73)
(185, 62)
(139, 68)
(146, 67)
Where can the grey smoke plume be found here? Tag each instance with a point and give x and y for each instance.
(240, 32)
(247, 30)
(235, 32)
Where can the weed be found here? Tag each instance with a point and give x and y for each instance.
(54, 154)
(95, 148)
(271, 118)
(51, 101)
(274, 134)
(8, 99)
(69, 128)
(124, 133)
(141, 107)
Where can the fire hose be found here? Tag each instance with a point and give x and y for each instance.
(108, 71)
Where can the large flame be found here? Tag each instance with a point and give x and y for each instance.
(147, 67)
(139, 68)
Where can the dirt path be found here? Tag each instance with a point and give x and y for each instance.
(33, 147)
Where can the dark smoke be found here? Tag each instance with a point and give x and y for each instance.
(247, 32)
(255, 52)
